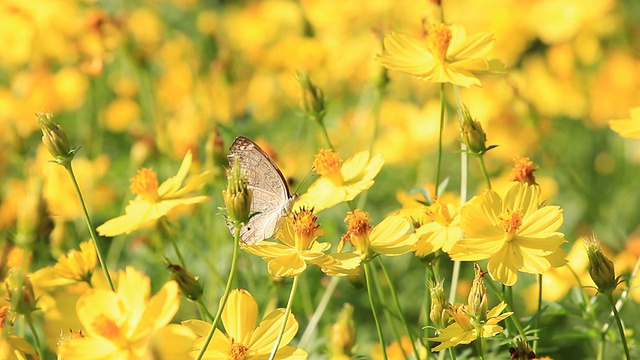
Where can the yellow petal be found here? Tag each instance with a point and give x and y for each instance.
(289, 265)
(90, 348)
(161, 308)
(240, 316)
(503, 265)
(173, 183)
(265, 334)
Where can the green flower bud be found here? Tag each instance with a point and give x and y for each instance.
(439, 313)
(478, 299)
(20, 292)
(311, 98)
(55, 139)
(601, 269)
(472, 134)
(343, 332)
(188, 284)
(237, 196)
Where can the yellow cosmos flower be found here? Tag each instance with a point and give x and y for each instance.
(445, 55)
(243, 340)
(514, 233)
(152, 201)
(442, 232)
(300, 248)
(78, 265)
(462, 331)
(339, 181)
(13, 347)
(391, 237)
(628, 128)
(121, 324)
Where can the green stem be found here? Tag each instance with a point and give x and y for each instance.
(452, 353)
(204, 311)
(479, 342)
(165, 224)
(287, 311)
(440, 130)
(536, 324)
(601, 346)
(394, 296)
(386, 309)
(377, 99)
(92, 231)
(427, 303)
(227, 291)
(36, 338)
(324, 131)
(487, 181)
(367, 276)
(322, 306)
(616, 315)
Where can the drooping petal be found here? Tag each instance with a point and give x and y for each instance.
(503, 266)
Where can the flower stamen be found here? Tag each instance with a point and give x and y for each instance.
(510, 221)
(305, 227)
(145, 184)
(327, 163)
(438, 39)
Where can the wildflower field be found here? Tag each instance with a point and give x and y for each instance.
(320, 179)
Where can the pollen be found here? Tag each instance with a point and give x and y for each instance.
(237, 351)
(522, 171)
(358, 222)
(305, 226)
(106, 327)
(438, 39)
(4, 313)
(327, 163)
(439, 213)
(510, 221)
(145, 184)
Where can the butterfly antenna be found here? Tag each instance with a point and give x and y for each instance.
(306, 177)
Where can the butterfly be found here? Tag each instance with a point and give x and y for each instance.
(272, 200)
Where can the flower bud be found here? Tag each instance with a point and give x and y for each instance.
(472, 134)
(20, 291)
(237, 196)
(311, 98)
(55, 139)
(601, 269)
(188, 284)
(439, 313)
(522, 350)
(478, 299)
(343, 332)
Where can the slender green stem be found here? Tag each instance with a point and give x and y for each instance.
(616, 315)
(92, 231)
(324, 132)
(394, 296)
(625, 292)
(478, 342)
(601, 346)
(452, 353)
(287, 311)
(377, 99)
(428, 273)
(485, 174)
(167, 230)
(204, 311)
(369, 281)
(322, 306)
(36, 338)
(386, 309)
(227, 291)
(536, 324)
(513, 318)
(440, 130)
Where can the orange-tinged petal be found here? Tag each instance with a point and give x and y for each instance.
(97, 307)
(240, 316)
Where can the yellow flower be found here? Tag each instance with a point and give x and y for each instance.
(300, 248)
(153, 201)
(628, 128)
(514, 233)
(442, 232)
(445, 55)
(391, 237)
(121, 324)
(78, 265)
(243, 340)
(12, 347)
(462, 331)
(339, 181)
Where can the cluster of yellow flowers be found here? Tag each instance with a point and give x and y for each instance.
(154, 82)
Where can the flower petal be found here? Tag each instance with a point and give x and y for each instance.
(265, 334)
(240, 315)
(173, 183)
(503, 265)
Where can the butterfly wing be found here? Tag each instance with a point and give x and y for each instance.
(271, 197)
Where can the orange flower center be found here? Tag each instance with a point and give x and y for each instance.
(237, 351)
(305, 226)
(145, 184)
(439, 213)
(438, 39)
(523, 170)
(4, 312)
(327, 163)
(358, 229)
(461, 316)
(510, 221)
(106, 327)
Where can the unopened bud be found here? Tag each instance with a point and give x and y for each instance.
(55, 139)
(472, 134)
(478, 300)
(439, 313)
(20, 292)
(601, 269)
(343, 332)
(522, 350)
(311, 97)
(188, 284)
(237, 196)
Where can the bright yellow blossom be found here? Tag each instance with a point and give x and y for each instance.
(78, 265)
(300, 248)
(243, 340)
(339, 181)
(390, 237)
(121, 324)
(462, 331)
(153, 201)
(445, 55)
(13, 347)
(514, 233)
(628, 128)
(442, 232)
